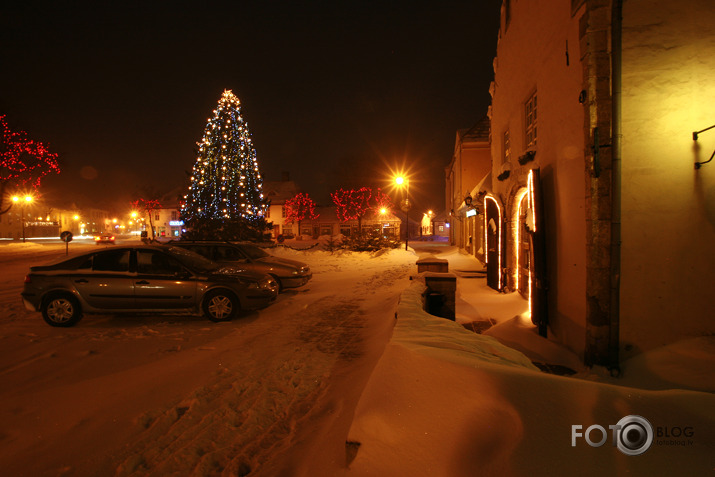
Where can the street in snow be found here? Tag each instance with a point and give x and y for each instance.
(327, 382)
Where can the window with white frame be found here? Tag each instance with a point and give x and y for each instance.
(530, 120)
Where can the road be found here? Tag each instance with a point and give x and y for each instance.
(270, 393)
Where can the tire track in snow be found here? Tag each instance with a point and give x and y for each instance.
(249, 413)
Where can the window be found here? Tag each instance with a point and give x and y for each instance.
(174, 215)
(283, 211)
(156, 217)
(156, 263)
(111, 261)
(205, 251)
(229, 254)
(530, 121)
(268, 212)
(507, 147)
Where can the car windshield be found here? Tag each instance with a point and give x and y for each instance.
(253, 252)
(193, 260)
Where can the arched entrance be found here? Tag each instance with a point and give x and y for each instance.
(493, 239)
(522, 245)
(529, 249)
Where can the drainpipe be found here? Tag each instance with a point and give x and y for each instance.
(616, 71)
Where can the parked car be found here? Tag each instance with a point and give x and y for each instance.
(288, 273)
(104, 238)
(143, 278)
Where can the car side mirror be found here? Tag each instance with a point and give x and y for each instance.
(182, 275)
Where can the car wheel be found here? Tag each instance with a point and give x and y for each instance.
(220, 306)
(278, 281)
(61, 310)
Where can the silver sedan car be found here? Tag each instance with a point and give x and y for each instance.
(288, 273)
(143, 278)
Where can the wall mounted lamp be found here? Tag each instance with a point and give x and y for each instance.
(695, 138)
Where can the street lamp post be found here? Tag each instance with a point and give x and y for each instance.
(405, 206)
(23, 202)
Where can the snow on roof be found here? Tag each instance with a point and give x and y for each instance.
(477, 133)
(278, 191)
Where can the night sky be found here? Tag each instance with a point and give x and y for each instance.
(338, 94)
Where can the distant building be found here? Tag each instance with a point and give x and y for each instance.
(43, 220)
(278, 192)
(328, 223)
(471, 161)
(435, 225)
(167, 222)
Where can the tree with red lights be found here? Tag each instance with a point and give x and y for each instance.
(23, 162)
(355, 204)
(147, 207)
(382, 201)
(299, 208)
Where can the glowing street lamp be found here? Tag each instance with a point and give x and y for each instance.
(23, 201)
(405, 205)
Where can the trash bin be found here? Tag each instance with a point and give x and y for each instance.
(439, 295)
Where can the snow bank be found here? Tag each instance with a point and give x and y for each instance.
(419, 331)
(446, 402)
(13, 247)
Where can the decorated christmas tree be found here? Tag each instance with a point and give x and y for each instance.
(225, 199)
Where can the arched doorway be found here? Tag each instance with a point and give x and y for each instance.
(493, 239)
(522, 244)
(529, 249)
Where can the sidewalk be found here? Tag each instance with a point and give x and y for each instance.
(504, 316)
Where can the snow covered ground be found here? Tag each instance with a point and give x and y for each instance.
(327, 382)
(179, 395)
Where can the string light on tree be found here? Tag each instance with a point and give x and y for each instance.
(355, 204)
(299, 208)
(225, 182)
(23, 162)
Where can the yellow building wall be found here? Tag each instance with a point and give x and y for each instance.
(668, 207)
